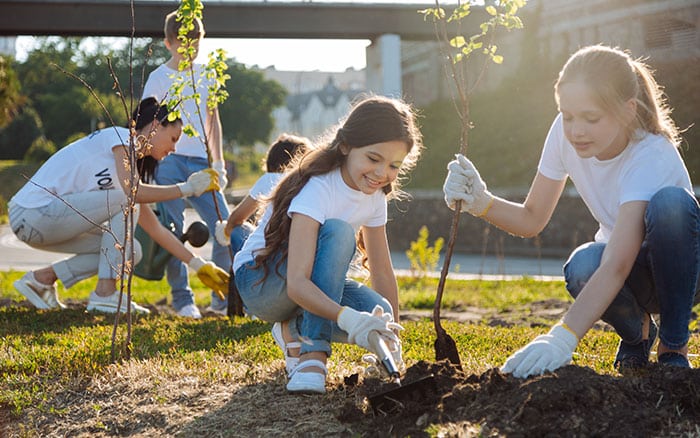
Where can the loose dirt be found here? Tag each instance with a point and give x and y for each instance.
(572, 402)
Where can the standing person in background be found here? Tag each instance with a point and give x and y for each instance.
(235, 230)
(293, 269)
(615, 139)
(78, 189)
(190, 156)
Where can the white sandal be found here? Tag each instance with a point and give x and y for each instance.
(308, 383)
(289, 362)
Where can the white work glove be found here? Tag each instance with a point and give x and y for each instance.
(211, 275)
(358, 325)
(199, 182)
(545, 353)
(220, 167)
(220, 233)
(463, 183)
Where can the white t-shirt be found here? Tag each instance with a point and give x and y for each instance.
(323, 197)
(85, 165)
(641, 170)
(264, 185)
(158, 85)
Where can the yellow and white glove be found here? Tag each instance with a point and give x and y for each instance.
(545, 353)
(220, 167)
(463, 183)
(220, 233)
(211, 275)
(199, 182)
(358, 325)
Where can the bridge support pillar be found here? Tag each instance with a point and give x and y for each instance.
(384, 66)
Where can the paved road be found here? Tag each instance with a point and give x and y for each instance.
(16, 255)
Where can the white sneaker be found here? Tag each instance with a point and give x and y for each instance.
(109, 304)
(310, 382)
(42, 296)
(190, 311)
(220, 312)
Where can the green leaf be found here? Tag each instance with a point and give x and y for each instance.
(458, 41)
(498, 59)
(491, 10)
(460, 12)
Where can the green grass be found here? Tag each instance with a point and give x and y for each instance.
(44, 352)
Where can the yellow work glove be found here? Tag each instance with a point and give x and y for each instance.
(199, 182)
(211, 275)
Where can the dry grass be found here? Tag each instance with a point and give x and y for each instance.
(164, 398)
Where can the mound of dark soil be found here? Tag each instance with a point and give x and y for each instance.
(572, 401)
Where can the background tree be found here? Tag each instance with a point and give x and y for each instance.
(10, 96)
(247, 114)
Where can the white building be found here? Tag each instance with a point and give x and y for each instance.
(317, 100)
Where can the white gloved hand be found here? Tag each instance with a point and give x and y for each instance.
(220, 233)
(220, 167)
(358, 325)
(545, 353)
(199, 182)
(463, 183)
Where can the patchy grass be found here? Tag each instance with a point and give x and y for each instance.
(217, 376)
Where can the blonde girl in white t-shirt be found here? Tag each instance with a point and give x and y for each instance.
(616, 141)
(81, 189)
(293, 269)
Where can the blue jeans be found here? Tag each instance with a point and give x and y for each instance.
(174, 169)
(266, 297)
(664, 278)
(239, 234)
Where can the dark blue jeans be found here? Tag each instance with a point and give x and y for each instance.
(664, 278)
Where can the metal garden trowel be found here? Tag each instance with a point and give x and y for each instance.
(393, 398)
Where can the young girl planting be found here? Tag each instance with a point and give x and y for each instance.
(615, 139)
(293, 269)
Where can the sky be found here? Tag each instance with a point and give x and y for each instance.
(284, 54)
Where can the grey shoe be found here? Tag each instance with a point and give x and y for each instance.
(671, 358)
(109, 304)
(634, 357)
(42, 296)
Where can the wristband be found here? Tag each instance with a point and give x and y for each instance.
(569, 329)
(488, 207)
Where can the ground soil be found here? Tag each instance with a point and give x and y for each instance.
(572, 402)
(145, 399)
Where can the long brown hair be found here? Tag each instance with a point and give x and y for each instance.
(615, 78)
(372, 120)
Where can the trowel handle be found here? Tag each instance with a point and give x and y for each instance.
(382, 350)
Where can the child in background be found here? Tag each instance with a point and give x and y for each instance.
(235, 229)
(77, 189)
(615, 139)
(190, 156)
(293, 268)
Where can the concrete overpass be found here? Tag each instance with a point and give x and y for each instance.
(223, 19)
(385, 24)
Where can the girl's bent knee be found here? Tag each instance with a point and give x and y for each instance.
(339, 234)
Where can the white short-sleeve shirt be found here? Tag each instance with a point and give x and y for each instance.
(158, 86)
(323, 197)
(642, 169)
(85, 165)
